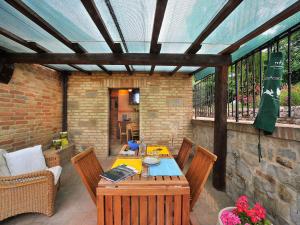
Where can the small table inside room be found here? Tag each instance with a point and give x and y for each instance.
(157, 194)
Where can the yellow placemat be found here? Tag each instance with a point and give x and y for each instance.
(163, 150)
(135, 163)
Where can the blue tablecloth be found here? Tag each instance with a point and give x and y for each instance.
(167, 167)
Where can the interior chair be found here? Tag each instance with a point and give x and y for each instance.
(184, 152)
(122, 131)
(198, 172)
(89, 169)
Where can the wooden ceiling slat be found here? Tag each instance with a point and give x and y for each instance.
(158, 19)
(294, 8)
(80, 69)
(95, 15)
(228, 8)
(31, 45)
(118, 59)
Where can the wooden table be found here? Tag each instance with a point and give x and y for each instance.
(144, 200)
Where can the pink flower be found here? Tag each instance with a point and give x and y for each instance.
(259, 211)
(252, 214)
(242, 204)
(229, 218)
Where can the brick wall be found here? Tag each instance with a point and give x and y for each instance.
(275, 181)
(165, 108)
(30, 107)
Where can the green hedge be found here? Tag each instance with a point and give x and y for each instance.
(295, 95)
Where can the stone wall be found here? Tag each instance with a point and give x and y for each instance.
(30, 107)
(165, 108)
(275, 181)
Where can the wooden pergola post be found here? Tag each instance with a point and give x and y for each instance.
(65, 78)
(220, 128)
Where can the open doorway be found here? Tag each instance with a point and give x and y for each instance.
(124, 117)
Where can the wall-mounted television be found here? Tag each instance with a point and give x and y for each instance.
(134, 97)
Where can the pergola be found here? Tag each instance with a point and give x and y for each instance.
(150, 36)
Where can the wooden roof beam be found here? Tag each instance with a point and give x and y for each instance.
(33, 16)
(294, 8)
(228, 8)
(118, 59)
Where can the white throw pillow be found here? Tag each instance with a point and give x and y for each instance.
(3, 167)
(26, 160)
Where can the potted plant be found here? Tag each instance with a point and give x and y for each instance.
(243, 214)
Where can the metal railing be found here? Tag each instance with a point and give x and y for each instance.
(245, 80)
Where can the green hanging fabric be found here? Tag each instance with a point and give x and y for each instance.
(269, 105)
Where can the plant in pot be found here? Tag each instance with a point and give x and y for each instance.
(243, 214)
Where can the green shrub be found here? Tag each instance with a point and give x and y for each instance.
(295, 95)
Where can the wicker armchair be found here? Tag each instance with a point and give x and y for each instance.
(32, 192)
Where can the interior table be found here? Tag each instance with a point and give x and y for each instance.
(144, 200)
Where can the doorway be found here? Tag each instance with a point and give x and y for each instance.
(124, 117)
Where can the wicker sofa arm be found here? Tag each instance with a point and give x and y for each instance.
(32, 192)
(27, 179)
(52, 159)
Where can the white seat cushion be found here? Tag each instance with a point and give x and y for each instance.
(56, 170)
(26, 160)
(4, 171)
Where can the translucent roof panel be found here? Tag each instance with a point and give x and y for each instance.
(69, 17)
(164, 68)
(174, 47)
(18, 24)
(249, 15)
(115, 67)
(266, 36)
(138, 47)
(188, 69)
(211, 48)
(13, 46)
(95, 47)
(135, 18)
(142, 68)
(90, 67)
(62, 67)
(184, 20)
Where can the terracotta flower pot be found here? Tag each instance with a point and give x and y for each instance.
(221, 211)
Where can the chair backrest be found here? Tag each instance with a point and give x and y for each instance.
(184, 152)
(89, 169)
(198, 172)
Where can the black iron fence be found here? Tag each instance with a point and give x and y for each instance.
(245, 80)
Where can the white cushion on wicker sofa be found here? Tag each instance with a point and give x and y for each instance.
(4, 171)
(26, 160)
(56, 170)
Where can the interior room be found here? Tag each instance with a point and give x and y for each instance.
(124, 117)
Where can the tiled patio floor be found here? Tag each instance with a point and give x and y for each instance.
(74, 206)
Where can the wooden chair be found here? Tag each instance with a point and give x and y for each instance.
(184, 152)
(198, 172)
(89, 169)
(135, 132)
